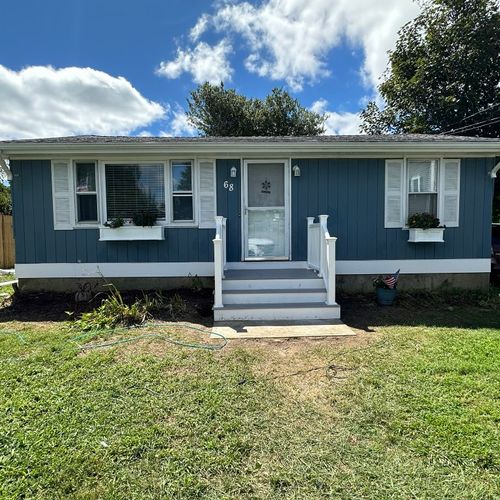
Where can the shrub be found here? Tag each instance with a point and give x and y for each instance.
(423, 221)
(113, 312)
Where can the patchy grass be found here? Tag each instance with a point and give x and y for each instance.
(7, 277)
(409, 408)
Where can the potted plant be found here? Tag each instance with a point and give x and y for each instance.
(425, 228)
(385, 287)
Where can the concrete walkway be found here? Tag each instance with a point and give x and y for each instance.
(282, 329)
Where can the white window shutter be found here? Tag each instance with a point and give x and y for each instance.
(62, 194)
(394, 193)
(450, 193)
(207, 201)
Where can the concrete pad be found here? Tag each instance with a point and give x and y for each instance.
(281, 329)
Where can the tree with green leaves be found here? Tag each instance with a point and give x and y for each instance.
(444, 73)
(217, 111)
(5, 200)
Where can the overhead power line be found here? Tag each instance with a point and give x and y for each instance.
(472, 126)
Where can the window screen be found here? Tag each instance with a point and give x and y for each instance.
(133, 188)
(182, 191)
(422, 187)
(86, 192)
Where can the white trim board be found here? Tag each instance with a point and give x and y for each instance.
(183, 269)
(115, 270)
(414, 266)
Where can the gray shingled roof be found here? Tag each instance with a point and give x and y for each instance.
(322, 139)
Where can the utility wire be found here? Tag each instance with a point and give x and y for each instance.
(491, 106)
(472, 126)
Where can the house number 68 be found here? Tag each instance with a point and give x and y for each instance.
(229, 186)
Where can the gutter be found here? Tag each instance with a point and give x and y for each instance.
(5, 168)
(401, 148)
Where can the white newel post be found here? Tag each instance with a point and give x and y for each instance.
(310, 243)
(330, 289)
(218, 260)
(322, 245)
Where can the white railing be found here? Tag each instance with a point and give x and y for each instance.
(313, 243)
(321, 254)
(219, 258)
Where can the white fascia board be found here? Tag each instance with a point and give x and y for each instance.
(381, 149)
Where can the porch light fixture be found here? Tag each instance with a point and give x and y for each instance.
(233, 171)
(296, 171)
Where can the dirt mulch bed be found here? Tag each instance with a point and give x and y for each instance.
(56, 306)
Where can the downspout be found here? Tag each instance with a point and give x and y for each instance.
(496, 168)
(5, 168)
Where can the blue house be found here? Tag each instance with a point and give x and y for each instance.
(276, 224)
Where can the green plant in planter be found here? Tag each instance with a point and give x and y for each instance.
(423, 220)
(115, 223)
(145, 218)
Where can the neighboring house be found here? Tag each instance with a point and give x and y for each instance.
(280, 222)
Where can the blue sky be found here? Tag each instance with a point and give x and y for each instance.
(109, 67)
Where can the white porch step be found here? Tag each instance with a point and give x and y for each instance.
(271, 279)
(274, 296)
(292, 311)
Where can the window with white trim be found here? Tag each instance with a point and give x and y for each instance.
(86, 192)
(422, 185)
(182, 191)
(134, 187)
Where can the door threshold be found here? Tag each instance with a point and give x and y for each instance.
(267, 264)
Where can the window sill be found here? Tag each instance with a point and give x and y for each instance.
(434, 235)
(131, 233)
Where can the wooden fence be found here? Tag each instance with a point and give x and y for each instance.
(7, 253)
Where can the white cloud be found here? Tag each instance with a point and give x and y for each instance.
(41, 101)
(179, 125)
(337, 123)
(206, 63)
(199, 28)
(290, 39)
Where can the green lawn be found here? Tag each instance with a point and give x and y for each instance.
(413, 411)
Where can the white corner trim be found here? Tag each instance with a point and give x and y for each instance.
(416, 266)
(115, 270)
(495, 170)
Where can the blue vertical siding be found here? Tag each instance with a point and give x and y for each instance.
(38, 242)
(351, 192)
(229, 206)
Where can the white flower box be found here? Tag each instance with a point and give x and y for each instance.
(130, 233)
(434, 235)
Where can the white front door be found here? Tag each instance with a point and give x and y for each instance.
(266, 191)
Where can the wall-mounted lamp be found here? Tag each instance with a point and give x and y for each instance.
(233, 171)
(296, 171)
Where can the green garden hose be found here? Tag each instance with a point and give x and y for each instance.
(89, 335)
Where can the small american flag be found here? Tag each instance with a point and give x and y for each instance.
(391, 279)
